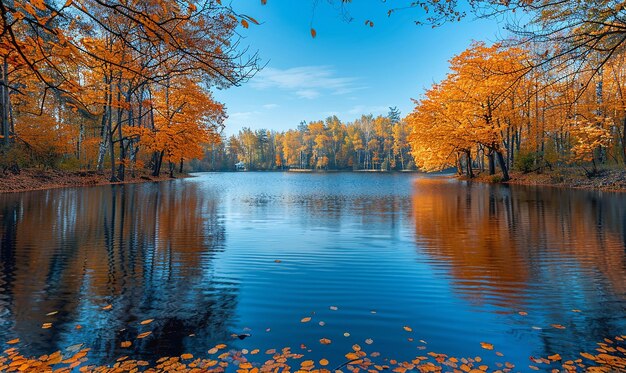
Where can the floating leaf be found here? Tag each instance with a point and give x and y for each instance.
(323, 362)
(144, 335)
(107, 307)
(325, 341)
(13, 341)
(408, 329)
(369, 341)
(486, 346)
(126, 344)
(52, 313)
(333, 308)
(186, 356)
(522, 313)
(46, 325)
(555, 357)
(557, 326)
(146, 322)
(305, 319)
(346, 334)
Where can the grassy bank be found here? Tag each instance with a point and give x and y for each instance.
(39, 179)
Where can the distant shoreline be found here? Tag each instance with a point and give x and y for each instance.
(37, 179)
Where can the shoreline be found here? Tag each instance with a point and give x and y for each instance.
(30, 180)
(36, 179)
(605, 181)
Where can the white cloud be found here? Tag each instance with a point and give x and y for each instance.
(306, 81)
(362, 109)
(242, 116)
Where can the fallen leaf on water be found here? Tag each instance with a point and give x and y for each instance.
(46, 325)
(126, 344)
(536, 328)
(305, 319)
(369, 341)
(533, 367)
(13, 341)
(322, 323)
(107, 307)
(499, 353)
(372, 312)
(52, 313)
(522, 313)
(277, 261)
(325, 341)
(323, 362)
(307, 363)
(213, 351)
(486, 346)
(271, 351)
(576, 311)
(346, 334)
(407, 328)
(186, 356)
(555, 357)
(255, 351)
(146, 322)
(558, 326)
(144, 335)
(375, 354)
(333, 308)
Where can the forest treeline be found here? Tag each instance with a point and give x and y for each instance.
(368, 143)
(551, 95)
(115, 86)
(494, 108)
(124, 86)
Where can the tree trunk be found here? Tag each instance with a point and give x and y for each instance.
(492, 164)
(468, 158)
(503, 167)
(4, 94)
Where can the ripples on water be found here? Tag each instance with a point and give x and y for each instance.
(454, 261)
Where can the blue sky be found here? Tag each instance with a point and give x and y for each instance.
(349, 69)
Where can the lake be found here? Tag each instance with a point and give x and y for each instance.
(532, 270)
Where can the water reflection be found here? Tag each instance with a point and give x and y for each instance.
(145, 249)
(213, 255)
(545, 251)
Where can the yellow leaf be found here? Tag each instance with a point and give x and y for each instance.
(305, 319)
(186, 356)
(408, 329)
(323, 362)
(13, 341)
(126, 344)
(325, 341)
(486, 346)
(146, 322)
(144, 335)
(313, 33)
